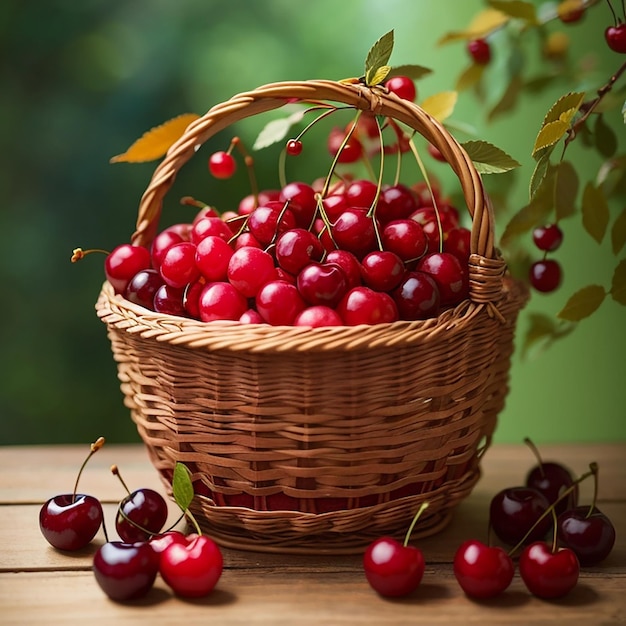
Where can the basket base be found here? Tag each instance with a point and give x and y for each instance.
(348, 531)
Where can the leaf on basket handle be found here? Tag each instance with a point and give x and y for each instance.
(154, 143)
(489, 159)
(182, 487)
(276, 130)
(377, 60)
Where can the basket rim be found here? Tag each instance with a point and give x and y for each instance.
(377, 100)
(118, 313)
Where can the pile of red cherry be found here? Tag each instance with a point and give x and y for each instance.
(317, 254)
(126, 569)
(521, 517)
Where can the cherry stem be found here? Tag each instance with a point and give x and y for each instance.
(422, 508)
(79, 254)
(594, 500)
(593, 469)
(190, 516)
(535, 450)
(379, 185)
(95, 446)
(589, 107)
(248, 160)
(189, 201)
(430, 190)
(612, 12)
(116, 472)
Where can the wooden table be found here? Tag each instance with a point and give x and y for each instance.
(39, 585)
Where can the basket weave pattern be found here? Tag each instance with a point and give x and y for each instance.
(315, 440)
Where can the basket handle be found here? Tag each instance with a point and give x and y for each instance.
(485, 279)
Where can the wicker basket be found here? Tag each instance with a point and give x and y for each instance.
(319, 440)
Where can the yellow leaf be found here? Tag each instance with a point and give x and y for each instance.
(440, 105)
(156, 142)
(469, 76)
(377, 76)
(550, 134)
(482, 24)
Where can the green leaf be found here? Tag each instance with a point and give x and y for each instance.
(276, 130)
(489, 159)
(378, 76)
(549, 135)
(618, 233)
(583, 303)
(378, 56)
(604, 138)
(508, 99)
(539, 174)
(565, 190)
(595, 211)
(411, 71)
(565, 104)
(618, 286)
(516, 8)
(182, 487)
(624, 112)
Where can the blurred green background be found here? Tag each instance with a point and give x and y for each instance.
(81, 80)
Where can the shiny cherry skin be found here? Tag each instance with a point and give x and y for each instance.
(513, 511)
(123, 262)
(163, 540)
(125, 571)
(552, 479)
(417, 296)
(616, 38)
(588, 533)
(450, 276)
(392, 569)
(480, 51)
(548, 237)
(318, 316)
(482, 571)
(322, 284)
(545, 275)
(145, 508)
(548, 574)
(354, 231)
(362, 305)
(403, 87)
(192, 569)
(70, 522)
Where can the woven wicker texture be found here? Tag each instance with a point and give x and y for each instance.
(319, 440)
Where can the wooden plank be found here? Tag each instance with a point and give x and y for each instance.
(22, 469)
(22, 547)
(246, 598)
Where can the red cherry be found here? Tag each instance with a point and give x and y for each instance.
(480, 51)
(436, 153)
(210, 226)
(348, 263)
(142, 288)
(296, 248)
(212, 257)
(588, 532)
(294, 147)
(268, 221)
(616, 38)
(548, 574)
(222, 164)
(417, 297)
(571, 11)
(318, 316)
(548, 237)
(382, 270)
(482, 571)
(351, 152)
(161, 541)
(192, 570)
(161, 244)
(406, 238)
(552, 479)
(71, 521)
(302, 202)
(515, 510)
(354, 231)
(125, 571)
(123, 262)
(457, 242)
(362, 305)
(141, 514)
(545, 276)
(450, 276)
(221, 301)
(178, 267)
(322, 283)
(279, 303)
(169, 300)
(249, 269)
(403, 87)
(392, 569)
(397, 202)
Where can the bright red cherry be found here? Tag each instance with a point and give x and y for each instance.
(123, 262)
(210, 226)
(279, 303)
(212, 257)
(163, 540)
(322, 283)
(161, 244)
(396, 202)
(222, 164)
(362, 305)
(125, 571)
(268, 221)
(297, 248)
(221, 301)
(249, 269)
(616, 37)
(406, 238)
(480, 51)
(588, 532)
(318, 316)
(193, 569)
(294, 147)
(351, 152)
(450, 276)
(178, 267)
(349, 264)
(403, 87)
(354, 231)
(545, 276)
(548, 574)
(382, 270)
(548, 238)
(482, 571)
(302, 202)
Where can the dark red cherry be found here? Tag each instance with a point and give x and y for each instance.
(545, 275)
(588, 532)
(552, 479)
(451, 277)
(417, 297)
(140, 515)
(125, 571)
(616, 37)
